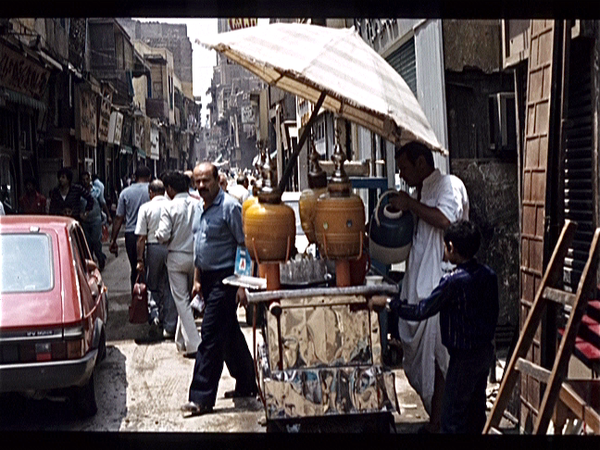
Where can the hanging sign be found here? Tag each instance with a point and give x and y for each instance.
(115, 128)
(154, 143)
(85, 117)
(248, 114)
(104, 113)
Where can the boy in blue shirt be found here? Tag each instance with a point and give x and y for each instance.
(467, 300)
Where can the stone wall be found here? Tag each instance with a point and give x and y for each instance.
(494, 207)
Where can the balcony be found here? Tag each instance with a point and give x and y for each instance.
(157, 108)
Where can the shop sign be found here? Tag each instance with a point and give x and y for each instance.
(138, 135)
(104, 113)
(115, 128)
(85, 116)
(248, 114)
(238, 24)
(21, 74)
(147, 140)
(154, 143)
(373, 30)
(127, 131)
(304, 111)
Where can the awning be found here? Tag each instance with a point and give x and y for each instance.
(50, 60)
(21, 99)
(125, 149)
(141, 153)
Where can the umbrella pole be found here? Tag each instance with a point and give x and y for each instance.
(292, 161)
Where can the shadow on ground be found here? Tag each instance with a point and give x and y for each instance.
(54, 411)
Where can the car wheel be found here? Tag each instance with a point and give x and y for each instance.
(101, 348)
(84, 399)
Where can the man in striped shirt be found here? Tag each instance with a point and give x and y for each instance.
(467, 300)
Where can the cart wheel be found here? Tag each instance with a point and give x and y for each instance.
(276, 426)
(260, 315)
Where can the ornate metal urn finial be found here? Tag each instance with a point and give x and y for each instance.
(317, 178)
(340, 183)
(269, 191)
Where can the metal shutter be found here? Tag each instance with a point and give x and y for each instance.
(403, 62)
(579, 192)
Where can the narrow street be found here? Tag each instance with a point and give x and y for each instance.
(141, 385)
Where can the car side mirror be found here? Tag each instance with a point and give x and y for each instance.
(90, 265)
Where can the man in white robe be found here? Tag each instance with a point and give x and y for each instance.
(439, 200)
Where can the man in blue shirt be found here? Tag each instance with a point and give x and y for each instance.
(130, 200)
(92, 225)
(467, 300)
(217, 233)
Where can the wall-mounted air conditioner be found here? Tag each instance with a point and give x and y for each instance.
(502, 119)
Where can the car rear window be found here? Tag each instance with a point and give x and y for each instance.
(27, 263)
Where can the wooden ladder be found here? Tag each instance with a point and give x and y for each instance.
(553, 379)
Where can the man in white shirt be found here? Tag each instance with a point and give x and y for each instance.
(175, 230)
(192, 189)
(99, 184)
(240, 189)
(160, 301)
(440, 200)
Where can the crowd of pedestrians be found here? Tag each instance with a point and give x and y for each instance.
(182, 230)
(84, 201)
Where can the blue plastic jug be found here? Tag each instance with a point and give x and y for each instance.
(390, 233)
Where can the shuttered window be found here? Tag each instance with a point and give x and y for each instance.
(403, 61)
(579, 194)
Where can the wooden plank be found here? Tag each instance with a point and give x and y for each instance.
(538, 112)
(530, 326)
(528, 368)
(578, 406)
(559, 296)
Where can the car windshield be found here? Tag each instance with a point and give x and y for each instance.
(27, 264)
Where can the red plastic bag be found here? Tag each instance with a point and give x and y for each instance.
(138, 310)
(105, 235)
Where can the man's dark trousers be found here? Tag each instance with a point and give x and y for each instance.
(463, 406)
(131, 248)
(222, 341)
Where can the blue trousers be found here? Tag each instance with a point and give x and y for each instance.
(93, 235)
(463, 406)
(222, 342)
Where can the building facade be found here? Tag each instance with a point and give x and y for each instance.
(78, 93)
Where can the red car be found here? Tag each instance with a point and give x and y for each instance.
(53, 309)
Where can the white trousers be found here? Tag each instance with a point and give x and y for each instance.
(422, 347)
(180, 266)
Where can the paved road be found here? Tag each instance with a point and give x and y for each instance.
(140, 385)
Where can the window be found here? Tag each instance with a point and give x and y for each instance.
(403, 62)
(27, 263)
(80, 248)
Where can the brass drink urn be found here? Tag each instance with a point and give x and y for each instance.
(340, 221)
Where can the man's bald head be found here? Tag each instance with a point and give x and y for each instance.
(156, 187)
